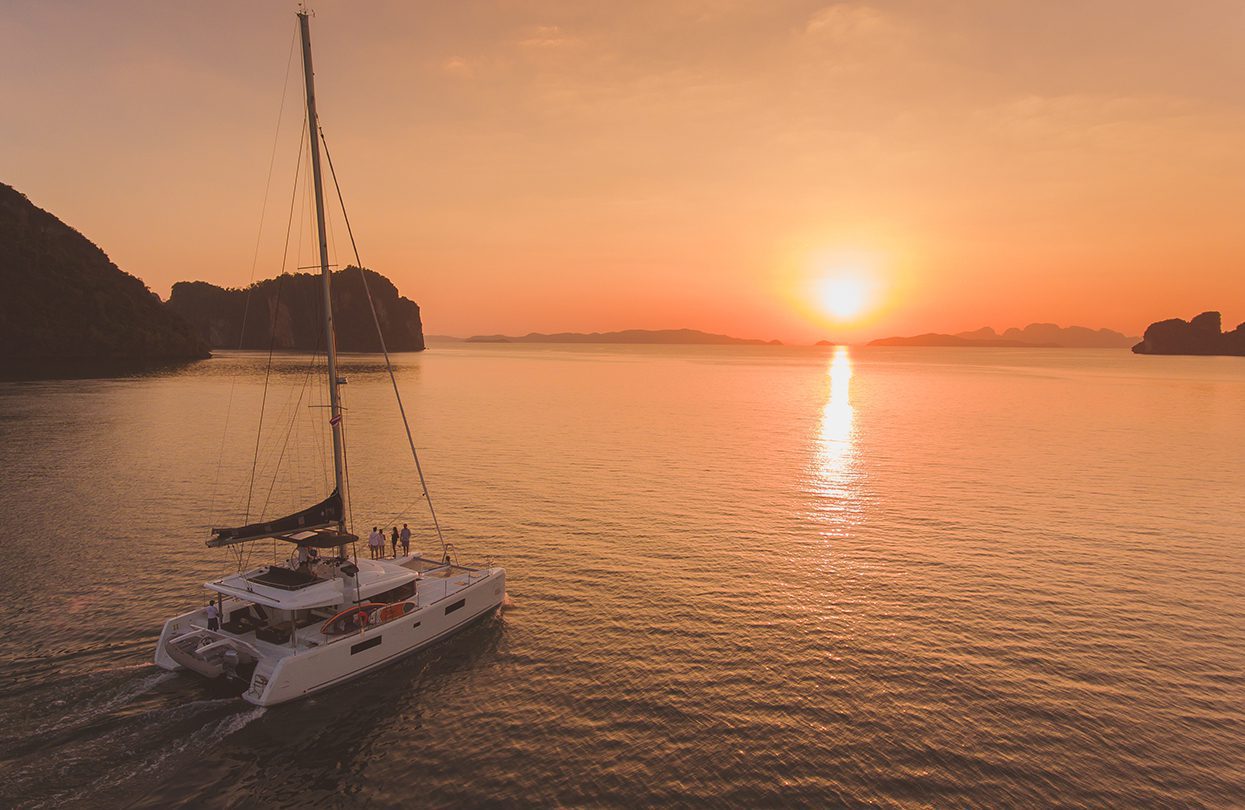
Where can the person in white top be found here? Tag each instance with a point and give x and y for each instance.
(375, 541)
(213, 615)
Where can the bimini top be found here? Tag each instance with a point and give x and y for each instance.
(280, 588)
(306, 528)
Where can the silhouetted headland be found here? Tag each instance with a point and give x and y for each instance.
(651, 336)
(1033, 336)
(65, 305)
(284, 313)
(1202, 335)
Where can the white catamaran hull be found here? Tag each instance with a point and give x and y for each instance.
(279, 678)
(360, 653)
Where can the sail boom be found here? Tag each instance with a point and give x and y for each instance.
(327, 512)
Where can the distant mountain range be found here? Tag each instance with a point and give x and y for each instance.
(62, 300)
(633, 336)
(1202, 335)
(936, 339)
(1033, 336)
(285, 313)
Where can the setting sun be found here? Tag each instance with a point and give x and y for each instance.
(843, 297)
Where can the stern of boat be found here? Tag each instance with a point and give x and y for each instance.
(174, 627)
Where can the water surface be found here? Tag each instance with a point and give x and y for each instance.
(752, 576)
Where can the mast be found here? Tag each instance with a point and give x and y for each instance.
(335, 419)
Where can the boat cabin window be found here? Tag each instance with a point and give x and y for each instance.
(455, 606)
(364, 645)
(245, 619)
(398, 594)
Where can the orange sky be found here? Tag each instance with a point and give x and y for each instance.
(546, 166)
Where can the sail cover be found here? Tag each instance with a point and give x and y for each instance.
(326, 512)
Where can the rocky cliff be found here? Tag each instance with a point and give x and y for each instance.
(1202, 335)
(286, 313)
(63, 300)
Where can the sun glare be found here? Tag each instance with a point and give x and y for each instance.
(843, 296)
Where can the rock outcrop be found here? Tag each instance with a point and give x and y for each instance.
(286, 313)
(62, 300)
(1202, 335)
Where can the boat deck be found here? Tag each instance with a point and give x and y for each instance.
(285, 578)
(437, 581)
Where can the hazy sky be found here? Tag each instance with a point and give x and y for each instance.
(520, 166)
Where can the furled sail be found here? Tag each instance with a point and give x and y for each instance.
(326, 512)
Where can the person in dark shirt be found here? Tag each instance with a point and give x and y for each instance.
(393, 541)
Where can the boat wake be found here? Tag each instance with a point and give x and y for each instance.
(110, 756)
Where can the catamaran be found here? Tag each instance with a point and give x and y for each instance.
(293, 629)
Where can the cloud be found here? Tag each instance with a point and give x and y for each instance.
(546, 37)
(843, 22)
(457, 66)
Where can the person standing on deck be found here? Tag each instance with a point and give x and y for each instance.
(393, 542)
(406, 540)
(374, 542)
(213, 616)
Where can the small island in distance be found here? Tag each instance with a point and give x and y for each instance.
(633, 336)
(1033, 336)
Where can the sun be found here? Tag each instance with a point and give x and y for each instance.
(843, 296)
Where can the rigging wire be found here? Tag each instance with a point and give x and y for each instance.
(250, 490)
(293, 421)
(246, 305)
(247, 548)
(381, 337)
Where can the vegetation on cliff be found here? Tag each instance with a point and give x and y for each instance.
(286, 313)
(62, 299)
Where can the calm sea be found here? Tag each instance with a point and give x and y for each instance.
(749, 576)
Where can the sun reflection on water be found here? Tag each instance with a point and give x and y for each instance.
(836, 441)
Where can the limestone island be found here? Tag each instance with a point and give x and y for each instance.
(1202, 335)
(284, 313)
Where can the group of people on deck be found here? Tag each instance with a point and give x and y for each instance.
(376, 542)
